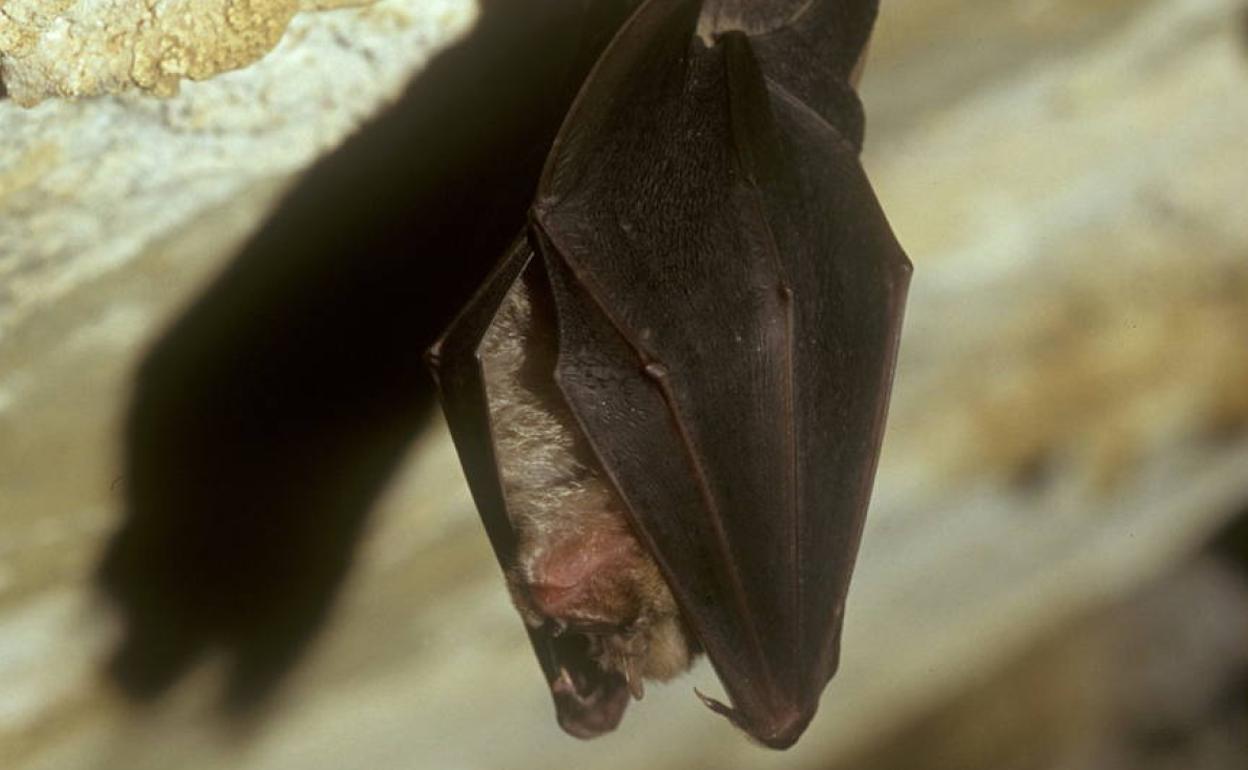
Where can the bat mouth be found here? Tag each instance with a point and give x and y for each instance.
(589, 700)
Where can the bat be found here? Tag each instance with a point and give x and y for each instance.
(669, 395)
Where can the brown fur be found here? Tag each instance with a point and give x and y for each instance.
(579, 565)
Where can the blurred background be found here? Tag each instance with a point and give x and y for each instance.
(233, 533)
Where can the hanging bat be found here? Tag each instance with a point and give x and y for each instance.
(668, 397)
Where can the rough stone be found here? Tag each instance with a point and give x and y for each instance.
(1070, 420)
(85, 184)
(76, 48)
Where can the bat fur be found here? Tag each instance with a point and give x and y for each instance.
(579, 568)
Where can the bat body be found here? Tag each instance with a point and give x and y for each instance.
(669, 396)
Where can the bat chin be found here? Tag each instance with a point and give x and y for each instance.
(589, 700)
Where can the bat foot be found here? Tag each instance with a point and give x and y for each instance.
(777, 730)
(719, 708)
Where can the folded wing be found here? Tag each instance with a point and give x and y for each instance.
(729, 298)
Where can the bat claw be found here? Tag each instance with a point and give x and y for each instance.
(714, 705)
(780, 730)
(636, 686)
(563, 683)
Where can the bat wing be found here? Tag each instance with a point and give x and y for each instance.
(729, 298)
(811, 50)
(455, 361)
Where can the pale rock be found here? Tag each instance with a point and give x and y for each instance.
(78, 48)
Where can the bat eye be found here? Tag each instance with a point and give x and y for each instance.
(589, 626)
(633, 630)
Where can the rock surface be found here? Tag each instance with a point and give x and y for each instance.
(1070, 420)
(85, 185)
(74, 48)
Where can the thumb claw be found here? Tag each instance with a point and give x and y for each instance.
(714, 705)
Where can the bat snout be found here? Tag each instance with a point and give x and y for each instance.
(581, 581)
(589, 700)
(588, 717)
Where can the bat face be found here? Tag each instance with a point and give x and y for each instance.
(669, 397)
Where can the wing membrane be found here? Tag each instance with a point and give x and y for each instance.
(729, 297)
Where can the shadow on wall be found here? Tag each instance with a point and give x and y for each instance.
(1243, 26)
(267, 419)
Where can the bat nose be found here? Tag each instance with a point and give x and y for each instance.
(557, 601)
(571, 608)
(578, 579)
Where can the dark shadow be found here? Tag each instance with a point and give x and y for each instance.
(1231, 543)
(1243, 26)
(266, 420)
